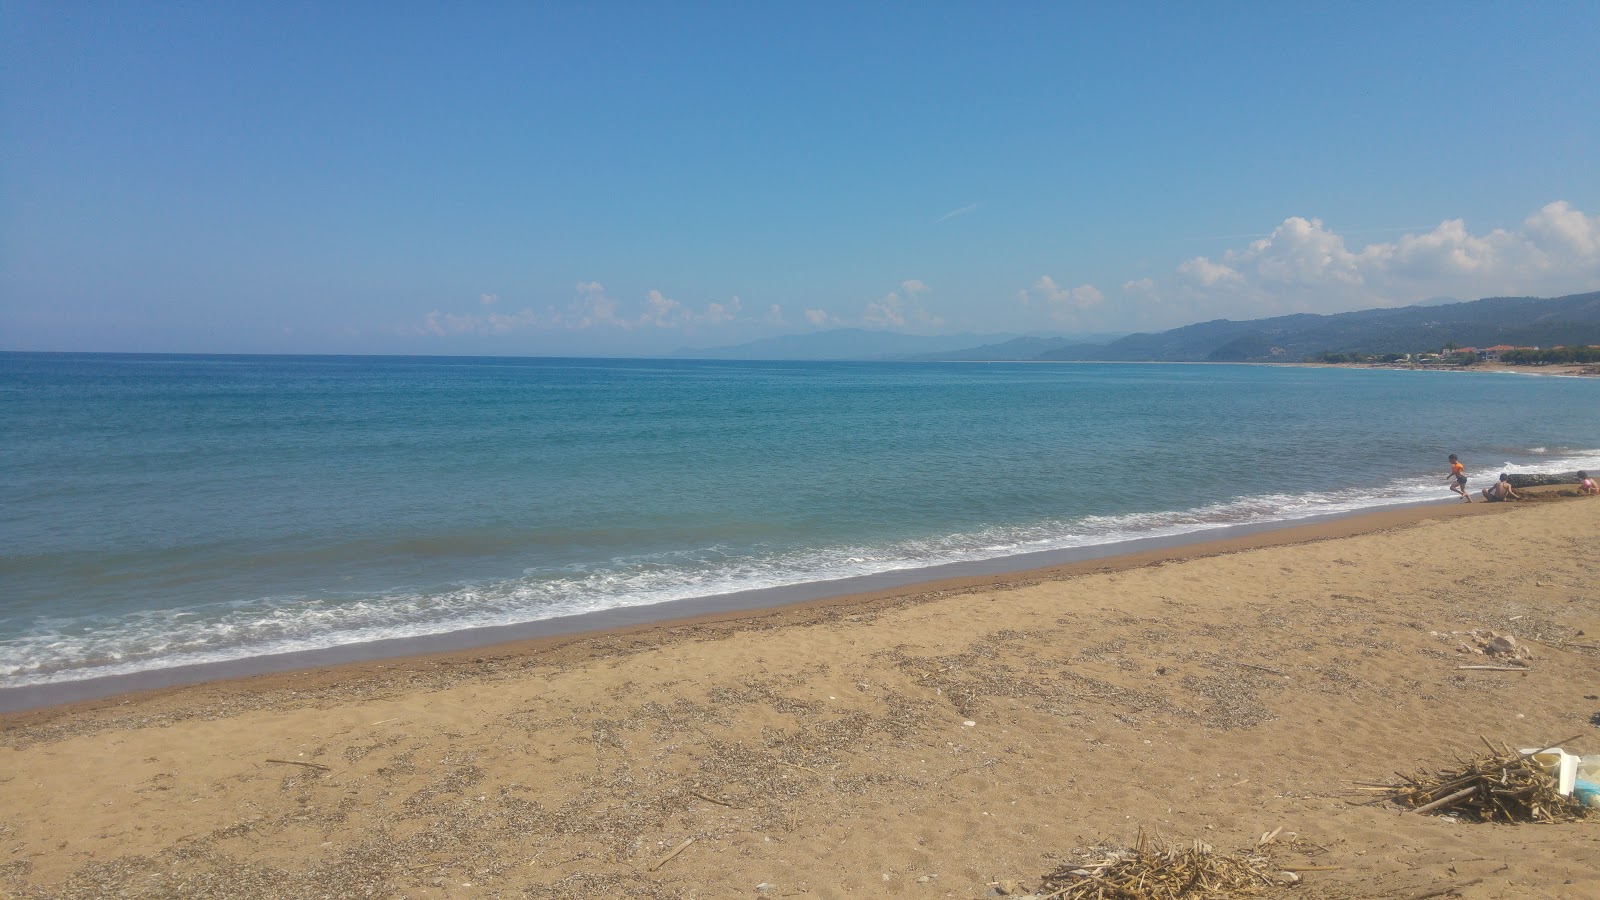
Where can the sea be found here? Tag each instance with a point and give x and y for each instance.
(163, 512)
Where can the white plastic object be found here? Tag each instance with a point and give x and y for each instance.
(1560, 763)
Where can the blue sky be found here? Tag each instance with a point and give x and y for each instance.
(633, 178)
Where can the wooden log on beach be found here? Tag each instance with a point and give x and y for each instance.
(1525, 481)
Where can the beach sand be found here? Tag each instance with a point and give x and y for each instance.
(920, 743)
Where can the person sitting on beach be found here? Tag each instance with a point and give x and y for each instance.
(1586, 484)
(1501, 490)
(1458, 474)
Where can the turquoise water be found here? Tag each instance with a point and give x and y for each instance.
(168, 510)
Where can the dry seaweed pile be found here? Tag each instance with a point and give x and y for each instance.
(1162, 873)
(1504, 786)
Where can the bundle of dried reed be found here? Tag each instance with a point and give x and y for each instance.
(1151, 871)
(1503, 786)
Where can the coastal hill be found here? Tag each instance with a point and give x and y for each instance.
(1519, 321)
(1426, 327)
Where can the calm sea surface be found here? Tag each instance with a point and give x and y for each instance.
(158, 511)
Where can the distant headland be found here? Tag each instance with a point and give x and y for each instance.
(1494, 331)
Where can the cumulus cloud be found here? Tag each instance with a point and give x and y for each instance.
(590, 308)
(1560, 227)
(443, 323)
(896, 308)
(1304, 266)
(1063, 304)
(1208, 273)
(718, 313)
(662, 311)
(821, 317)
(886, 313)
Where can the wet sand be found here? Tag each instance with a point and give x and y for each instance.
(915, 741)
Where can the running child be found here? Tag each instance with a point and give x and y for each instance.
(1458, 474)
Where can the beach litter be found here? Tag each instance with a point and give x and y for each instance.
(1491, 643)
(1506, 785)
(1586, 781)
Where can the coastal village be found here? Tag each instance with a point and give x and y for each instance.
(1579, 360)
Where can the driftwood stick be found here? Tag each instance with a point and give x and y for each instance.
(292, 762)
(1499, 668)
(715, 800)
(1464, 792)
(1263, 669)
(674, 852)
(1554, 746)
(1440, 892)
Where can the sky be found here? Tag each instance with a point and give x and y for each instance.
(635, 178)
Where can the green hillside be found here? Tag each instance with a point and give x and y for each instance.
(1519, 321)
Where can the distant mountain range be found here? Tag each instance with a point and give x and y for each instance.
(846, 343)
(1519, 321)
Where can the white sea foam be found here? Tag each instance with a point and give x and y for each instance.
(61, 650)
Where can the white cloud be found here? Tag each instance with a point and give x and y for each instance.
(888, 312)
(1206, 272)
(956, 212)
(1560, 227)
(820, 317)
(1063, 304)
(718, 313)
(775, 315)
(895, 308)
(1304, 266)
(442, 323)
(662, 311)
(591, 308)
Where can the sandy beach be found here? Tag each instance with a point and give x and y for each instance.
(925, 742)
(1575, 370)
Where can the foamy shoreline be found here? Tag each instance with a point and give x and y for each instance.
(996, 570)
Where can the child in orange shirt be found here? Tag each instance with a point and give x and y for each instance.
(1458, 474)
